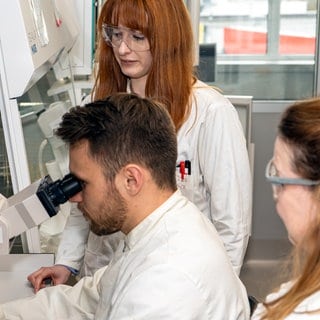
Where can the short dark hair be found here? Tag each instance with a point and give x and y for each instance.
(123, 129)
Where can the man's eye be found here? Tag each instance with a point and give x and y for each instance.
(83, 184)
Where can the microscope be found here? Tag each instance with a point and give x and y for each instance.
(33, 205)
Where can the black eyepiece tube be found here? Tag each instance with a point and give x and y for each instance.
(52, 194)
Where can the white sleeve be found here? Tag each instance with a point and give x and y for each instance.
(226, 172)
(74, 238)
(58, 302)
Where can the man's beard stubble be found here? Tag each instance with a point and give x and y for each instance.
(111, 216)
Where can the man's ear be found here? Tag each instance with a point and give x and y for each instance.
(132, 179)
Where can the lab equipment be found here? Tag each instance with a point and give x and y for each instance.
(33, 205)
(34, 35)
(79, 61)
(51, 230)
(73, 71)
(48, 121)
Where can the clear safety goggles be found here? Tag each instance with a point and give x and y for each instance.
(279, 182)
(134, 39)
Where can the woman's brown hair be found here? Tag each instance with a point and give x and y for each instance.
(299, 128)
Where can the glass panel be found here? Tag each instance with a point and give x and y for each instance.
(297, 28)
(41, 109)
(237, 27)
(45, 68)
(48, 94)
(5, 178)
(31, 105)
(261, 47)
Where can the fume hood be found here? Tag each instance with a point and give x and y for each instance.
(36, 39)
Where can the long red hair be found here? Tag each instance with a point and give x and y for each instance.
(167, 25)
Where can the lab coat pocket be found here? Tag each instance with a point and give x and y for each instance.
(184, 178)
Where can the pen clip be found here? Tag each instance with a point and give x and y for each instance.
(187, 165)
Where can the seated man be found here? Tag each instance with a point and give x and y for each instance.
(171, 263)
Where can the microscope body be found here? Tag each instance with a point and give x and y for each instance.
(33, 205)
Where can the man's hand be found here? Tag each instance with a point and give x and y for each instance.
(58, 274)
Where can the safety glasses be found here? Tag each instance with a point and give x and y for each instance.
(134, 39)
(279, 182)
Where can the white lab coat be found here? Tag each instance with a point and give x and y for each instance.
(171, 266)
(309, 304)
(220, 184)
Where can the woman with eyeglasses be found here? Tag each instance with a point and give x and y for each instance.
(146, 47)
(294, 173)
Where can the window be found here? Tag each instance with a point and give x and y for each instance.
(265, 48)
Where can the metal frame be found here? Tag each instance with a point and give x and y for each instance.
(243, 105)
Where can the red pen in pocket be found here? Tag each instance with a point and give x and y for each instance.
(182, 170)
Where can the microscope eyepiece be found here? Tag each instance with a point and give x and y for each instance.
(52, 194)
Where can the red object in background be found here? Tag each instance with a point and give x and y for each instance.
(253, 42)
(297, 45)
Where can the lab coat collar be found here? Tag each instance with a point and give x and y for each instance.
(147, 225)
